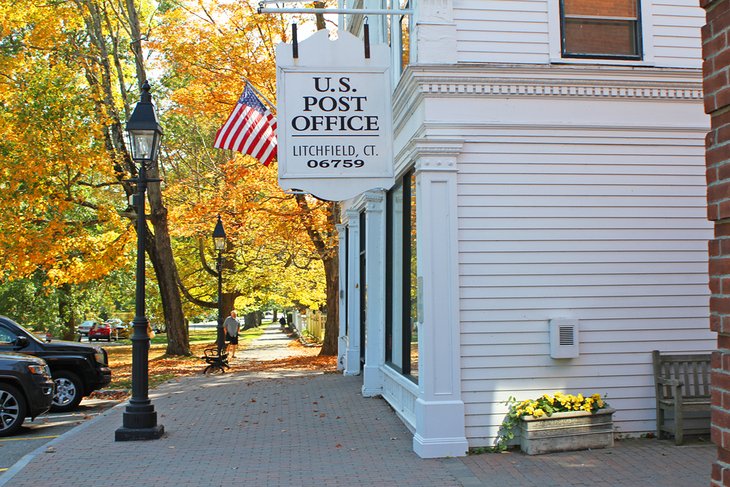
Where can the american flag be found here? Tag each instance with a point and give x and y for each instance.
(250, 129)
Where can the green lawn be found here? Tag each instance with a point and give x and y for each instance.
(163, 367)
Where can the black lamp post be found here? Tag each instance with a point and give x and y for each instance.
(219, 240)
(139, 421)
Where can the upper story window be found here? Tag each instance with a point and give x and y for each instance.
(607, 29)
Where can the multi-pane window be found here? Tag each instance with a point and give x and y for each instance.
(601, 28)
(401, 326)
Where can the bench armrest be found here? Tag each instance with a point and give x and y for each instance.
(669, 382)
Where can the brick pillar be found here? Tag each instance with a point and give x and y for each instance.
(716, 55)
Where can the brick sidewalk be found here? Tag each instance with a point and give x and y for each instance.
(309, 429)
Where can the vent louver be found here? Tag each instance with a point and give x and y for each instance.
(564, 338)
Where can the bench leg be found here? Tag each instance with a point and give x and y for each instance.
(678, 422)
(659, 422)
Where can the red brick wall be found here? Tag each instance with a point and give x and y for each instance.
(716, 84)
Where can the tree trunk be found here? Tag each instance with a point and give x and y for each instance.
(250, 320)
(227, 302)
(178, 342)
(332, 326)
(160, 247)
(157, 243)
(66, 311)
(159, 250)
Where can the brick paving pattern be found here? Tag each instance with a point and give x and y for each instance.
(309, 429)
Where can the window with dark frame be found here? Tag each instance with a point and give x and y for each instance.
(363, 287)
(401, 353)
(601, 29)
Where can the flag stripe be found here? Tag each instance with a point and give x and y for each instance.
(250, 129)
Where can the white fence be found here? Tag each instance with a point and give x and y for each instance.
(310, 323)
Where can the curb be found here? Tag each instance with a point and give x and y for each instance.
(8, 475)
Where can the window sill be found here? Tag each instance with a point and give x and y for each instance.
(644, 63)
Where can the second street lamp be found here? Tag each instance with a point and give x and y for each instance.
(219, 241)
(139, 421)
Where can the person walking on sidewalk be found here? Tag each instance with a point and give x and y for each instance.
(231, 325)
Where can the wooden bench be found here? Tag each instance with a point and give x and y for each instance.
(682, 384)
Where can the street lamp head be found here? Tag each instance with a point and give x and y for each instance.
(219, 236)
(144, 129)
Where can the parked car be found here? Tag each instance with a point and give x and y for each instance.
(84, 327)
(101, 331)
(26, 390)
(121, 330)
(77, 369)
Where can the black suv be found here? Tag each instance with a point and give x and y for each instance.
(26, 389)
(78, 369)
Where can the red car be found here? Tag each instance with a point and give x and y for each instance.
(100, 331)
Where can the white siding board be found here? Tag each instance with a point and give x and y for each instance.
(621, 291)
(608, 201)
(517, 281)
(608, 227)
(627, 233)
(476, 313)
(578, 159)
(649, 223)
(483, 255)
(585, 302)
(498, 47)
(469, 214)
(677, 41)
(677, 18)
(502, 31)
(500, 340)
(520, 332)
(541, 385)
(676, 34)
(496, 165)
(475, 18)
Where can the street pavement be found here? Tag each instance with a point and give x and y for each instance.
(300, 428)
(47, 427)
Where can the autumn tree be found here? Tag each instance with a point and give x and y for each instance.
(90, 51)
(206, 79)
(59, 229)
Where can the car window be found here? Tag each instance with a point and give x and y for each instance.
(7, 338)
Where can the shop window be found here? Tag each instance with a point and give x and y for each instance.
(601, 28)
(401, 332)
(413, 280)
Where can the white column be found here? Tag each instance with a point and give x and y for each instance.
(342, 336)
(440, 430)
(352, 355)
(375, 282)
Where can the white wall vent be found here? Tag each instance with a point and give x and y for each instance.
(564, 338)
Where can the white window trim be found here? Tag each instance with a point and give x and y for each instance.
(647, 39)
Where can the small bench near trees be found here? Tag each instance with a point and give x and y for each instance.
(682, 384)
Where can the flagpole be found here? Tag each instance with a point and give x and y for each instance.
(272, 107)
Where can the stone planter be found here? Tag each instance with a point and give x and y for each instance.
(568, 431)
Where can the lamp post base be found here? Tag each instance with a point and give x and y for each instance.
(139, 434)
(139, 423)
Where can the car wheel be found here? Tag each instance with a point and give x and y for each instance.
(12, 409)
(68, 391)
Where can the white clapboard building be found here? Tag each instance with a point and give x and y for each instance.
(547, 225)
